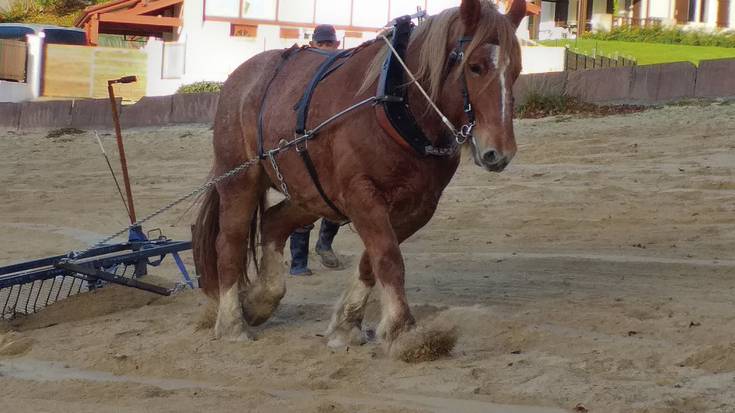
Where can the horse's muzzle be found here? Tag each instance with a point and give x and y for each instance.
(493, 160)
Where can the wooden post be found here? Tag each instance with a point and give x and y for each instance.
(93, 30)
(582, 17)
(121, 149)
(535, 23)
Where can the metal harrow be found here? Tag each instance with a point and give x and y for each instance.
(32, 285)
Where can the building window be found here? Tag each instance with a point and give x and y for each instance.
(344, 14)
(370, 13)
(333, 12)
(403, 7)
(222, 8)
(300, 11)
(436, 6)
(259, 9)
(174, 60)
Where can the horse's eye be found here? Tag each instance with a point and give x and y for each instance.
(476, 69)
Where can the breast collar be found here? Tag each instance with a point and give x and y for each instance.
(394, 113)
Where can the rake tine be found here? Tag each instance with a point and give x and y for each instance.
(7, 299)
(38, 294)
(50, 290)
(17, 299)
(28, 297)
(61, 285)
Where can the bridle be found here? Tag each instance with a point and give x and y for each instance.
(455, 58)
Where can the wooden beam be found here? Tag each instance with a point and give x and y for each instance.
(103, 8)
(145, 20)
(145, 8)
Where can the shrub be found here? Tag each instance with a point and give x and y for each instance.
(538, 106)
(59, 12)
(667, 35)
(200, 87)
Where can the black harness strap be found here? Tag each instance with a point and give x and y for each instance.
(456, 57)
(392, 83)
(323, 71)
(302, 107)
(315, 178)
(395, 116)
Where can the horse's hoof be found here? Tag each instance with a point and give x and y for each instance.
(256, 315)
(258, 307)
(236, 333)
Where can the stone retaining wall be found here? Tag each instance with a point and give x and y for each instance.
(642, 85)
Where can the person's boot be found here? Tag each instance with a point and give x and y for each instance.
(300, 252)
(327, 232)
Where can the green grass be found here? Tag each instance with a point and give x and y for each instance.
(646, 53)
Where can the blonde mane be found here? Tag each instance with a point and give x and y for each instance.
(440, 31)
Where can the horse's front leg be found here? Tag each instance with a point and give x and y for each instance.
(371, 219)
(346, 325)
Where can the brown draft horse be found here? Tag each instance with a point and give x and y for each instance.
(387, 191)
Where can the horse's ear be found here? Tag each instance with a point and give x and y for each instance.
(470, 10)
(517, 12)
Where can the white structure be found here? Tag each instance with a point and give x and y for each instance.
(31, 88)
(218, 35)
(559, 18)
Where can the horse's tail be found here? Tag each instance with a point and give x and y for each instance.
(203, 243)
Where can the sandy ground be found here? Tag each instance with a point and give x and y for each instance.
(595, 274)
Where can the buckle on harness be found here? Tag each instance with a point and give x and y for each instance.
(465, 132)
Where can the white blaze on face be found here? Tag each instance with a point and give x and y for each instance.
(501, 68)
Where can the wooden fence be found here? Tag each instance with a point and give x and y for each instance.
(577, 61)
(13, 57)
(82, 71)
(636, 22)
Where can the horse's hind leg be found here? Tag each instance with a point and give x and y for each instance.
(265, 293)
(346, 325)
(239, 199)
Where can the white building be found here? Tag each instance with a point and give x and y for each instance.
(559, 18)
(208, 39)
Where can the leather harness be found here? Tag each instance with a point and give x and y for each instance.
(391, 103)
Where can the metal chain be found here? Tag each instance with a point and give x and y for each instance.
(284, 188)
(173, 203)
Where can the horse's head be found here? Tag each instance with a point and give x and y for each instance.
(490, 64)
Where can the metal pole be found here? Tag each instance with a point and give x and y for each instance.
(121, 149)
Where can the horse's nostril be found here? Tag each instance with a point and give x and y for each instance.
(490, 157)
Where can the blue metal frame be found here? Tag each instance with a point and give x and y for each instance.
(98, 258)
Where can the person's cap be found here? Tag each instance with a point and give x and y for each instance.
(324, 33)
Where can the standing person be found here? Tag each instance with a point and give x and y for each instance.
(324, 38)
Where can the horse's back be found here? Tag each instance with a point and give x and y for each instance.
(237, 109)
